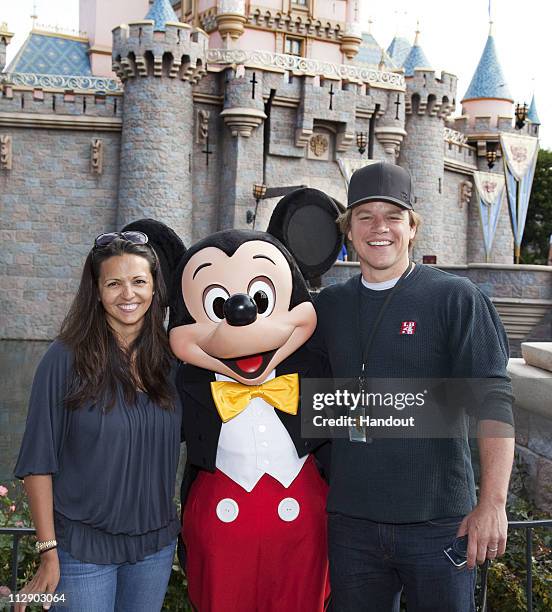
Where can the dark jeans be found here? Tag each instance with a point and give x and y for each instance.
(371, 564)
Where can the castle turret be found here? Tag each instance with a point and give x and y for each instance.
(5, 39)
(487, 110)
(416, 58)
(398, 50)
(352, 36)
(533, 118)
(230, 20)
(428, 102)
(488, 94)
(158, 59)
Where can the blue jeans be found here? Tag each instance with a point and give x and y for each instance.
(124, 587)
(372, 563)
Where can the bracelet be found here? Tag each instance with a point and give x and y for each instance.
(47, 549)
(44, 546)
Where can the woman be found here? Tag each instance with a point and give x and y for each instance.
(101, 445)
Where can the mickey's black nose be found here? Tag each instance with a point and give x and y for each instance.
(240, 309)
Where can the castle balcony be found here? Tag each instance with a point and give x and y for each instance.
(302, 66)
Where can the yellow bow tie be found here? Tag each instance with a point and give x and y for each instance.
(231, 398)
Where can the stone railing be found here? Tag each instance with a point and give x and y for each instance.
(532, 384)
(302, 65)
(55, 81)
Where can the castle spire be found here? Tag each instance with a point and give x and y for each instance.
(488, 80)
(398, 50)
(161, 11)
(416, 57)
(532, 115)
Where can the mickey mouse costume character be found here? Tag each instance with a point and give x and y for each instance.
(254, 522)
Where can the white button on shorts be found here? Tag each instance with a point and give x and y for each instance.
(227, 510)
(288, 509)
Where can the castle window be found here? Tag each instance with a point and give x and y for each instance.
(300, 3)
(294, 46)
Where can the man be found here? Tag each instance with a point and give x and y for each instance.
(550, 251)
(395, 504)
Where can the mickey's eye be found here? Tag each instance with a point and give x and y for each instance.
(214, 298)
(262, 291)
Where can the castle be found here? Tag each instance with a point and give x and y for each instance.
(176, 115)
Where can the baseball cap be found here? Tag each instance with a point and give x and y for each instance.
(381, 181)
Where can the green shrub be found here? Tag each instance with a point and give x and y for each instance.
(507, 575)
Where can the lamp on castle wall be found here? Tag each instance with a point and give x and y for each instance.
(259, 192)
(491, 154)
(361, 141)
(521, 115)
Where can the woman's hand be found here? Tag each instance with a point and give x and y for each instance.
(45, 580)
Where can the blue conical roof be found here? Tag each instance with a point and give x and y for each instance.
(371, 54)
(416, 58)
(488, 80)
(398, 50)
(161, 11)
(532, 115)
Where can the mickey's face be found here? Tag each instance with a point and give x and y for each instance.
(244, 326)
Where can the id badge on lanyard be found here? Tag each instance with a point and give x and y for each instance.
(357, 431)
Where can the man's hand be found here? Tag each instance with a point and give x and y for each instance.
(45, 580)
(487, 529)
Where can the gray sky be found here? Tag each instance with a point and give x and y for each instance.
(453, 35)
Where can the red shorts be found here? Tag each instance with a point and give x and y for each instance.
(260, 551)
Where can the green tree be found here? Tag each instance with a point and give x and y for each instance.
(536, 238)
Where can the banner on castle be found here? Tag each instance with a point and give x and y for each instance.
(490, 191)
(520, 157)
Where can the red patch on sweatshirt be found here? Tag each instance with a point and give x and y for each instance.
(408, 328)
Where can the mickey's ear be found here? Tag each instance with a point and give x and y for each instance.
(305, 222)
(166, 243)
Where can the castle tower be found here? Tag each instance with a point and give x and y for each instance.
(158, 59)
(5, 39)
(428, 102)
(416, 58)
(352, 36)
(533, 118)
(488, 94)
(487, 110)
(398, 50)
(242, 144)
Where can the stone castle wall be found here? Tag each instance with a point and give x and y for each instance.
(52, 208)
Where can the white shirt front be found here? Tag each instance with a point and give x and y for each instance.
(255, 443)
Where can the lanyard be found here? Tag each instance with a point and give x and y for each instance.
(357, 432)
(368, 346)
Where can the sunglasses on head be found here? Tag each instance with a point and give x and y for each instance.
(105, 239)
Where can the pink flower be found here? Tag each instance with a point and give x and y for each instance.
(12, 508)
(3, 491)
(4, 591)
(19, 523)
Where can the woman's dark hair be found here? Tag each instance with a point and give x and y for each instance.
(101, 366)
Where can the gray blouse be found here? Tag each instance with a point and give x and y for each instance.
(113, 473)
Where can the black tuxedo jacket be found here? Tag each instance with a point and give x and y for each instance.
(201, 423)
